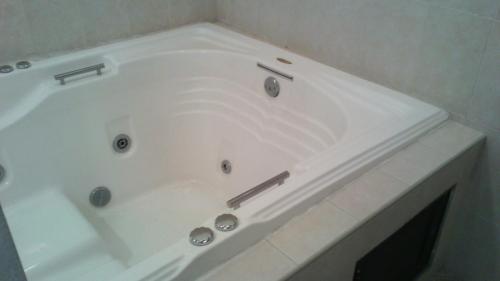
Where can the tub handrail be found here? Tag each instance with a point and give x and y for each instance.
(277, 72)
(61, 77)
(278, 179)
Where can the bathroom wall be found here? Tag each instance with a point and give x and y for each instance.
(43, 27)
(445, 52)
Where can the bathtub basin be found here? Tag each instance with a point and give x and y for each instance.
(188, 99)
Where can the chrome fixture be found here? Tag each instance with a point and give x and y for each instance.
(236, 201)
(272, 87)
(6, 69)
(277, 72)
(226, 222)
(100, 196)
(23, 64)
(282, 60)
(2, 173)
(226, 167)
(122, 143)
(201, 236)
(61, 77)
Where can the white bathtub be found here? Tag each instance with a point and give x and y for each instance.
(189, 99)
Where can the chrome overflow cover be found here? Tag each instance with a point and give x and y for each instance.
(272, 87)
(201, 236)
(226, 222)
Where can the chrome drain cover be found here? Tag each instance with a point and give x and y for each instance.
(201, 236)
(100, 196)
(226, 222)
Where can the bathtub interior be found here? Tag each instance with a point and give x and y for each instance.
(185, 113)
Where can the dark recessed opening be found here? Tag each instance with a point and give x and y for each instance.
(408, 252)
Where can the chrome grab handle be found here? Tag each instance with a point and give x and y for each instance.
(61, 77)
(277, 72)
(236, 201)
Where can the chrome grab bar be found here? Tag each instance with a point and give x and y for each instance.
(277, 72)
(236, 201)
(61, 77)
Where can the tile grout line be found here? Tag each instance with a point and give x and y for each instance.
(480, 68)
(361, 221)
(357, 223)
(281, 251)
(483, 17)
(358, 220)
(344, 211)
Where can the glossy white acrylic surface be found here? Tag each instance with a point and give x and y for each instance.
(189, 99)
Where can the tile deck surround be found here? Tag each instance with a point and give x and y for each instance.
(329, 223)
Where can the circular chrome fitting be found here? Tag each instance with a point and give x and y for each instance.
(2, 173)
(23, 64)
(122, 143)
(226, 167)
(201, 236)
(226, 222)
(100, 196)
(6, 69)
(272, 87)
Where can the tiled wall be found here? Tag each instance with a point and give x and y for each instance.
(445, 52)
(42, 27)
